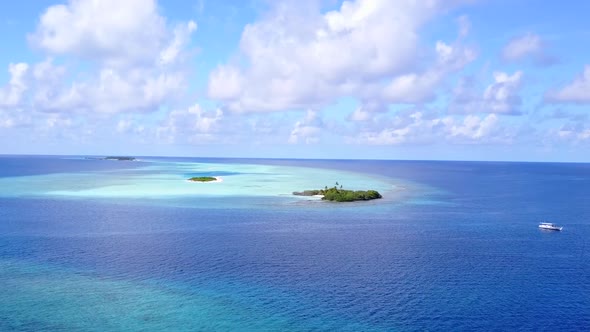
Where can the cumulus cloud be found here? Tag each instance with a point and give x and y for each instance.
(367, 110)
(577, 91)
(226, 83)
(13, 97)
(108, 31)
(112, 91)
(418, 127)
(307, 130)
(473, 127)
(136, 59)
(182, 34)
(132, 125)
(413, 128)
(420, 88)
(360, 114)
(57, 120)
(296, 57)
(500, 97)
(11, 94)
(415, 88)
(572, 132)
(194, 123)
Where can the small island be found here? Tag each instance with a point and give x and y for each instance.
(203, 179)
(341, 195)
(119, 158)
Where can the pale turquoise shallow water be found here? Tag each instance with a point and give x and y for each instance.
(89, 245)
(162, 180)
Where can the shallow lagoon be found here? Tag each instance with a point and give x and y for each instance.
(168, 180)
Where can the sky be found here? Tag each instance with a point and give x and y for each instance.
(358, 79)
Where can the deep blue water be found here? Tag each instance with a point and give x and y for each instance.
(464, 254)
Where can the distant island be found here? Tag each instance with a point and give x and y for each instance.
(119, 158)
(341, 195)
(203, 179)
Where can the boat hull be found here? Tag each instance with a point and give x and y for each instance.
(551, 228)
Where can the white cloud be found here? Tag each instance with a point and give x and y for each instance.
(296, 57)
(130, 125)
(500, 97)
(400, 131)
(416, 88)
(193, 123)
(112, 32)
(412, 88)
(103, 57)
(11, 95)
(474, 127)
(414, 127)
(15, 118)
(132, 60)
(307, 130)
(57, 120)
(226, 83)
(204, 122)
(420, 88)
(138, 90)
(418, 127)
(367, 110)
(577, 91)
(523, 46)
(182, 34)
(528, 46)
(47, 72)
(570, 132)
(361, 114)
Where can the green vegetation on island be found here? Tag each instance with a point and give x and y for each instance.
(202, 179)
(341, 195)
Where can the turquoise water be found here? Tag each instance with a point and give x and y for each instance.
(107, 245)
(162, 180)
(46, 298)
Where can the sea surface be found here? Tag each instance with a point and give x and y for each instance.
(102, 245)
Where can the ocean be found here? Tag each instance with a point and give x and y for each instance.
(103, 245)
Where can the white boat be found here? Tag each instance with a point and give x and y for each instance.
(550, 226)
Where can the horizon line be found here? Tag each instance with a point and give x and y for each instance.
(292, 158)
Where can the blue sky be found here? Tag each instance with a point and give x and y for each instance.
(380, 79)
